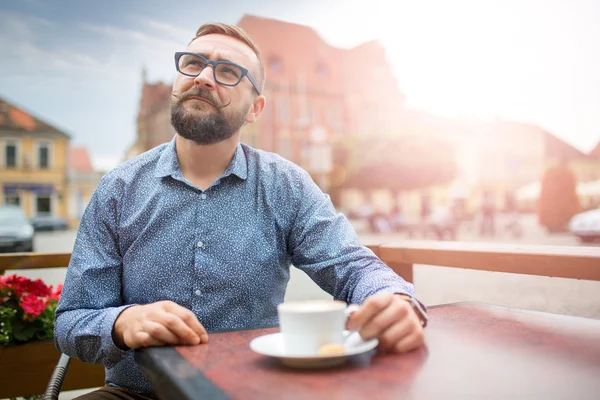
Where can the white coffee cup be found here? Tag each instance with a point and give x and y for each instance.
(306, 326)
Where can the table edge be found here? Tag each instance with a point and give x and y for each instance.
(166, 385)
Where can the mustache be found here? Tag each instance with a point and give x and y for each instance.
(203, 94)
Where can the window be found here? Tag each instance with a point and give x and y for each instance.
(43, 205)
(11, 153)
(43, 155)
(12, 199)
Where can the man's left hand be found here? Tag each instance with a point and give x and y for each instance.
(391, 319)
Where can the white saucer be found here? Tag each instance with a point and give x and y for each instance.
(272, 345)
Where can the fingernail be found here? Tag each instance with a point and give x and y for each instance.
(204, 338)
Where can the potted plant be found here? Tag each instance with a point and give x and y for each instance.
(26, 310)
(27, 352)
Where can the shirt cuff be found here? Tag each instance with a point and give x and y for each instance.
(112, 353)
(410, 295)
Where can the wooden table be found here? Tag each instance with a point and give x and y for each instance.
(472, 351)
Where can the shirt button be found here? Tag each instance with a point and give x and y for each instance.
(203, 196)
(197, 292)
(200, 244)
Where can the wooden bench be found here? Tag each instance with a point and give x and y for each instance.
(26, 369)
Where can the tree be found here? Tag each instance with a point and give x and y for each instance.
(558, 200)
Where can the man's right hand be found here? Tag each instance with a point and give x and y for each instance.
(157, 324)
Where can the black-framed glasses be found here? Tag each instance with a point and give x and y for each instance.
(224, 72)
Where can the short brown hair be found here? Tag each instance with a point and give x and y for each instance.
(217, 28)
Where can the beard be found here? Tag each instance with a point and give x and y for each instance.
(209, 127)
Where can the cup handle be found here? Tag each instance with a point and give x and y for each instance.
(350, 309)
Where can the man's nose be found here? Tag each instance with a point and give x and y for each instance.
(206, 78)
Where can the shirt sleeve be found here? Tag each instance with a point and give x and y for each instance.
(323, 244)
(91, 301)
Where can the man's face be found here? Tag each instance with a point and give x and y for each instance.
(205, 111)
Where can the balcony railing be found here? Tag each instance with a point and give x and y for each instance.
(552, 261)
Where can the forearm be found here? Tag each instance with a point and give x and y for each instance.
(87, 335)
(352, 273)
(362, 274)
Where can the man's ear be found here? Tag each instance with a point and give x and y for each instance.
(256, 108)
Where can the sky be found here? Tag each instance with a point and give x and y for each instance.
(78, 64)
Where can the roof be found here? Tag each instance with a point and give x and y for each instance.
(556, 147)
(79, 160)
(15, 119)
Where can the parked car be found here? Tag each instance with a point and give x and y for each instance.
(586, 225)
(16, 230)
(49, 223)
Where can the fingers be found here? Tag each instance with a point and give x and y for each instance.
(158, 324)
(391, 320)
(370, 308)
(182, 332)
(194, 328)
(394, 314)
(410, 342)
(159, 333)
(396, 333)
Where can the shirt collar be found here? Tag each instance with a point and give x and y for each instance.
(168, 165)
(239, 165)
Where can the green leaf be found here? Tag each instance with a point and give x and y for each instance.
(24, 331)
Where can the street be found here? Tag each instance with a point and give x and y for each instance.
(434, 285)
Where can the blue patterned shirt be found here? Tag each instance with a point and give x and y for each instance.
(148, 235)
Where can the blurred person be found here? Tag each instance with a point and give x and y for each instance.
(382, 221)
(442, 222)
(198, 235)
(513, 225)
(397, 219)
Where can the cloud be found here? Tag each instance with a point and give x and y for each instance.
(134, 48)
(20, 25)
(36, 3)
(28, 18)
(22, 56)
(173, 31)
(122, 33)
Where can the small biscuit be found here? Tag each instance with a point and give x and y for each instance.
(331, 350)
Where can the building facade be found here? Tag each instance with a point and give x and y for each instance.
(33, 163)
(317, 96)
(339, 114)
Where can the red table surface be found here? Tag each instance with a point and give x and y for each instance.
(472, 351)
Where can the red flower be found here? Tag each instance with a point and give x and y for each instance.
(37, 288)
(56, 294)
(16, 283)
(32, 305)
(22, 285)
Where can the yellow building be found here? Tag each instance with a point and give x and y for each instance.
(33, 163)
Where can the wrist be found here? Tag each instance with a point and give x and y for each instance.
(118, 330)
(417, 308)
